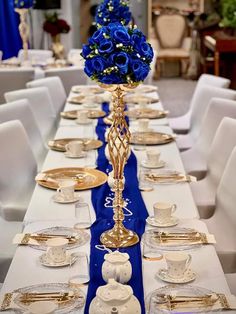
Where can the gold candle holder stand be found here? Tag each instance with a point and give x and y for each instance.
(24, 30)
(118, 145)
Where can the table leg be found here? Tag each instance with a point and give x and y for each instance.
(217, 63)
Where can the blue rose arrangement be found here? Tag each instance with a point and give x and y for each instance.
(116, 54)
(23, 4)
(111, 11)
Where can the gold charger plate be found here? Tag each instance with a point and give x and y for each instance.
(135, 99)
(59, 144)
(92, 114)
(86, 178)
(145, 89)
(92, 90)
(151, 138)
(81, 99)
(146, 113)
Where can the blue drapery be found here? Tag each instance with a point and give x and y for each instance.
(10, 41)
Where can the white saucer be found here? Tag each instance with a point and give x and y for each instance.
(172, 222)
(45, 261)
(188, 276)
(146, 164)
(59, 199)
(69, 155)
(84, 122)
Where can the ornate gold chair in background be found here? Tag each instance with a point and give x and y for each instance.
(172, 44)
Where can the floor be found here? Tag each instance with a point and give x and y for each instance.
(175, 94)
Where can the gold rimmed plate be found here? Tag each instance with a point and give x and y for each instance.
(92, 90)
(60, 144)
(145, 89)
(146, 113)
(151, 138)
(82, 99)
(92, 114)
(136, 99)
(85, 178)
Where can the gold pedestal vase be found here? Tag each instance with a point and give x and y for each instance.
(24, 30)
(57, 47)
(118, 145)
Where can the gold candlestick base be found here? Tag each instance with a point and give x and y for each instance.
(118, 145)
(119, 237)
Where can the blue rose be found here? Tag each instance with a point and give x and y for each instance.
(88, 69)
(98, 36)
(121, 60)
(86, 50)
(106, 46)
(140, 70)
(112, 78)
(98, 64)
(145, 50)
(121, 35)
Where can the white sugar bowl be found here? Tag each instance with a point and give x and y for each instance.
(115, 297)
(121, 151)
(117, 266)
(111, 180)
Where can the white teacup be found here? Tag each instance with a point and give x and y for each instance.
(82, 115)
(66, 189)
(42, 307)
(143, 124)
(153, 156)
(56, 249)
(177, 263)
(74, 148)
(163, 211)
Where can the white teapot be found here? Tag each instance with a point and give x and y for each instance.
(117, 266)
(114, 298)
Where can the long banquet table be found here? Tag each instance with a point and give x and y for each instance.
(26, 270)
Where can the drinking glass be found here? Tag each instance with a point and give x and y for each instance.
(144, 183)
(82, 215)
(149, 253)
(80, 270)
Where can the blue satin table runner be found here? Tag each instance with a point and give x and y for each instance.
(135, 215)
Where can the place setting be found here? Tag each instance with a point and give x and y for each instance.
(75, 149)
(88, 143)
(66, 298)
(175, 298)
(167, 176)
(146, 113)
(85, 178)
(75, 114)
(87, 90)
(93, 101)
(136, 99)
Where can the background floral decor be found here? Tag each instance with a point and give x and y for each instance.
(111, 11)
(228, 13)
(23, 4)
(116, 54)
(54, 26)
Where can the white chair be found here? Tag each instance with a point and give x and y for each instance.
(17, 170)
(8, 229)
(74, 56)
(204, 191)
(20, 110)
(223, 223)
(70, 76)
(201, 101)
(194, 159)
(36, 55)
(231, 280)
(182, 124)
(42, 107)
(56, 91)
(13, 79)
